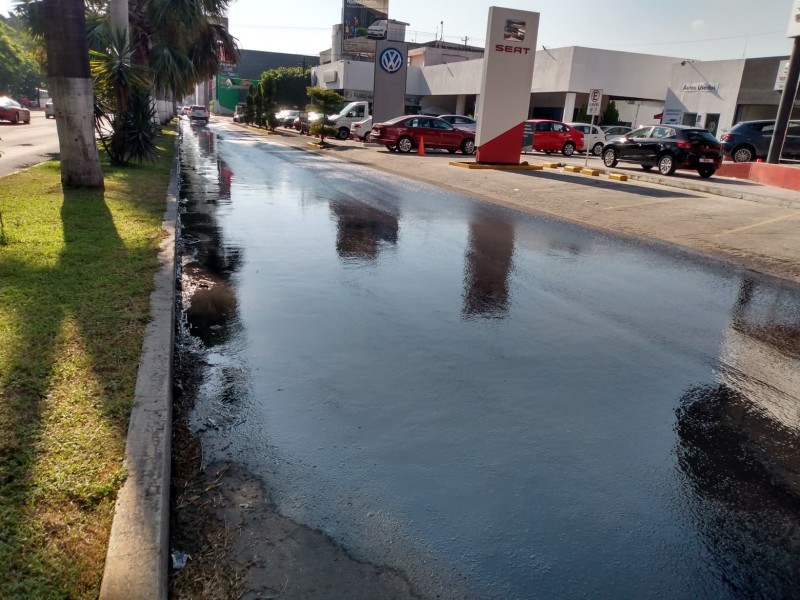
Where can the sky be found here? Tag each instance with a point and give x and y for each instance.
(697, 29)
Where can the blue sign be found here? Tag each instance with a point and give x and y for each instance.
(391, 60)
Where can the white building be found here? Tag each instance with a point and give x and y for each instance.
(445, 78)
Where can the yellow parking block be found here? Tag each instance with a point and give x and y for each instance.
(593, 172)
(551, 165)
(618, 176)
(572, 169)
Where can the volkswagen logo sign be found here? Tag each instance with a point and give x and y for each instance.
(391, 60)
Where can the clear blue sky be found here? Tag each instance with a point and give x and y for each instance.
(701, 29)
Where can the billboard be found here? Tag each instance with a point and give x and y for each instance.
(363, 22)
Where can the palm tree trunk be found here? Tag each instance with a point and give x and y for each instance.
(71, 89)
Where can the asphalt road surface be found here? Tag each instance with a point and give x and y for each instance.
(492, 404)
(27, 145)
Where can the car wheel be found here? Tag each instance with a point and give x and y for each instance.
(568, 149)
(610, 158)
(390, 148)
(743, 154)
(597, 150)
(468, 146)
(404, 144)
(343, 133)
(15, 118)
(666, 165)
(647, 167)
(368, 137)
(706, 171)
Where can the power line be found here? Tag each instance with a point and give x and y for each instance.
(727, 37)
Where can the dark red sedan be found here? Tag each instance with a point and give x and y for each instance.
(11, 110)
(404, 134)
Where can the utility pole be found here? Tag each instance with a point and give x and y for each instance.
(789, 89)
(465, 38)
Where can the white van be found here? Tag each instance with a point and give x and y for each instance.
(378, 30)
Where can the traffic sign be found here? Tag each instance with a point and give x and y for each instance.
(595, 99)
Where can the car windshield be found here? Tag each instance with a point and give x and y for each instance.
(699, 135)
(8, 103)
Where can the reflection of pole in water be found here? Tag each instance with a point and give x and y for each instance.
(360, 229)
(738, 448)
(486, 268)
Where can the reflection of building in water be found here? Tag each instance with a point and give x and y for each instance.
(486, 267)
(738, 447)
(361, 229)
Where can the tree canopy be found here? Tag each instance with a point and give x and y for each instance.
(20, 73)
(290, 85)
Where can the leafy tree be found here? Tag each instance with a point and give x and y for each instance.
(290, 85)
(250, 105)
(20, 73)
(610, 115)
(581, 116)
(326, 102)
(268, 89)
(258, 102)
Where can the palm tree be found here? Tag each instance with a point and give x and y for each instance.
(70, 81)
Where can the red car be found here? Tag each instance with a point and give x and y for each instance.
(11, 110)
(555, 136)
(404, 133)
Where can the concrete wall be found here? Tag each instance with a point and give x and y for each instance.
(724, 75)
(619, 74)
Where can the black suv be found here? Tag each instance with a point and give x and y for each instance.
(750, 140)
(667, 147)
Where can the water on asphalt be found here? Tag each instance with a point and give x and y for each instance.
(500, 405)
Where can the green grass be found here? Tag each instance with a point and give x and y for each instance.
(76, 271)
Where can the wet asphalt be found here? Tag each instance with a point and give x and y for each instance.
(498, 404)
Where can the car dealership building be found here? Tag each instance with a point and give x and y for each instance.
(445, 78)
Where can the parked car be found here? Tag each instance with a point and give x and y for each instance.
(303, 120)
(555, 136)
(615, 131)
(238, 112)
(11, 110)
(287, 118)
(49, 111)
(403, 134)
(594, 138)
(461, 121)
(362, 130)
(749, 140)
(197, 112)
(667, 147)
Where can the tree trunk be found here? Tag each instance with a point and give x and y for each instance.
(71, 89)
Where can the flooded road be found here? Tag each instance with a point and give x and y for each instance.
(496, 404)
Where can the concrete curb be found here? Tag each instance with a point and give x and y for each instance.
(138, 550)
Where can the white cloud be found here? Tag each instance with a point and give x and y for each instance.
(698, 24)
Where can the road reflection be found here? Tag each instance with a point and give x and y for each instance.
(487, 266)
(738, 448)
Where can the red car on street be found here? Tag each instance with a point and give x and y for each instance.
(555, 136)
(11, 110)
(403, 134)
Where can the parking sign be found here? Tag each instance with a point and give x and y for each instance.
(595, 99)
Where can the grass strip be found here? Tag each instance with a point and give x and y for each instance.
(76, 271)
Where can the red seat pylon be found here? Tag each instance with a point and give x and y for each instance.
(421, 147)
